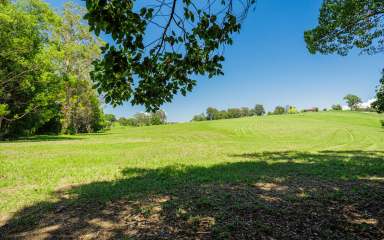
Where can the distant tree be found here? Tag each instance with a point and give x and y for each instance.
(279, 110)
(212, 113)
(352, 101)
(128, 122)
(337, 107)
(259, 110)
(200, 117)
(143, 119)
(292, 110)
(234, 112)
(110, 118)
(223, 114)
(244, 112)
(158, 118)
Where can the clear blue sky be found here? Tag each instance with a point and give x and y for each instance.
(269, 64)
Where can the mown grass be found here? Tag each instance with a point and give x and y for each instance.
(243, 178)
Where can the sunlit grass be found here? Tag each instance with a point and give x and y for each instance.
(32, 170)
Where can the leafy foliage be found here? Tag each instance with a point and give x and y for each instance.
(78, 48)
(378, 105)
(279, 110)
(337, 107)
(352, 101)
(259, 110)
(292, 110)
(145, 119)
(161, 46)
(344, 24)
(45, 60)
(28, 85)
(215, 114)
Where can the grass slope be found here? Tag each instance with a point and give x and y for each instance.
(304, 176)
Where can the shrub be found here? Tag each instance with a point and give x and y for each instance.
(292, 110)
(337, 107)
(200, 117)
(279, 110)
(259, 110)
(382, 123)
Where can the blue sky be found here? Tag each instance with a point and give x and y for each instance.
(269, 64)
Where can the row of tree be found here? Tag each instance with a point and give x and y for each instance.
(45, 61)
(215, 114)
(353, 102)
(140, 119)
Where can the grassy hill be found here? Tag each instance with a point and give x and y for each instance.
(292, 176)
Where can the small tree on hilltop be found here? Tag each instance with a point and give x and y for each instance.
(292, 110)
(200, 117)
(352, 101)
(279, 110)
(259, 110)
(337, 107)
(212, 113)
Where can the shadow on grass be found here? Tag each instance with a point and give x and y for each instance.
(269, 195)
(43, 138)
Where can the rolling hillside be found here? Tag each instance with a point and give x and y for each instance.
(314, 174)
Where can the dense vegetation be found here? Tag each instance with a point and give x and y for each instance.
(293, 176)
(215, 114)
(144, 119)
(45, 61)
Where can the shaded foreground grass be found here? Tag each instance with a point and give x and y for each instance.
(262, 195)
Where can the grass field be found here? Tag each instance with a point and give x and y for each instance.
(304, 176)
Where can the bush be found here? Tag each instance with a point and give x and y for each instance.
(200, 117)
(337, 107)
(279, 110)
(382, 123)
(292, 110)
(259, 110)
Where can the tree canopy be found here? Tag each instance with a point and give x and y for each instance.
(45, 60)
(352, 101)
(379, 103)
(160, 46)
(347, 24)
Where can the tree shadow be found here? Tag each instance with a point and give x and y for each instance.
(43, 138)
(269, 195)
